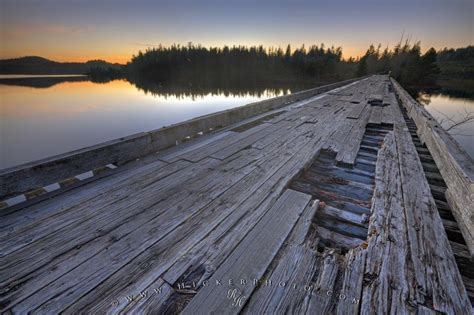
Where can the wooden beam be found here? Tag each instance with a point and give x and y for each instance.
(456, 167)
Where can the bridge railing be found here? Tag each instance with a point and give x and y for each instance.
(454, 164)
(29, 176)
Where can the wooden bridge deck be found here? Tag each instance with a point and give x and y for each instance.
(329, 205)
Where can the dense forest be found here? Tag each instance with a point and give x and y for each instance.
(238, 66)
(194, 63)
(177, 62)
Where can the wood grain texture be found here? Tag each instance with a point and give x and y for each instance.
(221, 213)
(251, 258)
(454, 164)
(356, 110)
(438, 279)
(387, 273)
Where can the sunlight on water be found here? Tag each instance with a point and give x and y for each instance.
(41, 122)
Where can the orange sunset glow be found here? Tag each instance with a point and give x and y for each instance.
(89, 30)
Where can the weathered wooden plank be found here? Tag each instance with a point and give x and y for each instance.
(272, 138)
(309, 182)
(376, 115)
(318, 102)
(390, 112)
(293, 291)
(301, 116)
(355, 175)
(290, 112)
(322, 299)
(343, 215)
(311, 115)
(346, 141)
(469, 284)
(81, 205)
(294, 269)
(287, 293)
(195, 156)
(200, 153)
(172, 246)
(153, 224)
(75, 215)
(456, 167)
(334, 141)
(10, 219)
(376, 97)
(423, 310)
(179, 150)
(387, 273)
(243, 143)
(387, 114)
(348, 152)
(222, 240)
(344, 97)
(300, 232)
(356, 110)
(252, 257)
(152, 301)
(351, 290)
(439, 281)
(338, 239)
(462, 256)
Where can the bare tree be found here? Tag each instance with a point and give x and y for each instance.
(452, 122)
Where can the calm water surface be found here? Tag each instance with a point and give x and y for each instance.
(41, 122)
(42, 117)
(446, 108)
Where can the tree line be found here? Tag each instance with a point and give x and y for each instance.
(181, 62)
(404, 62)
(317, 63)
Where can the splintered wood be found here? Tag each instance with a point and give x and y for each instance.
(255, 219)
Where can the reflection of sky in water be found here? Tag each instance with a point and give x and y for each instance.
(37, 123)
(443, 107)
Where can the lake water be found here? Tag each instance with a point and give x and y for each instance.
(38, 122)
(449, 110)
(41, 117)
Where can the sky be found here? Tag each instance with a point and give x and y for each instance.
(73, 30)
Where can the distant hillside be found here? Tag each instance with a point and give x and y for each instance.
(39, 65)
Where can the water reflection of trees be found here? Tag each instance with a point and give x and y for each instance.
(238, 86)
(423, 95)
(187, 87)
(219, 86)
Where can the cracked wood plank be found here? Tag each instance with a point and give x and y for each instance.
(251, 257)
